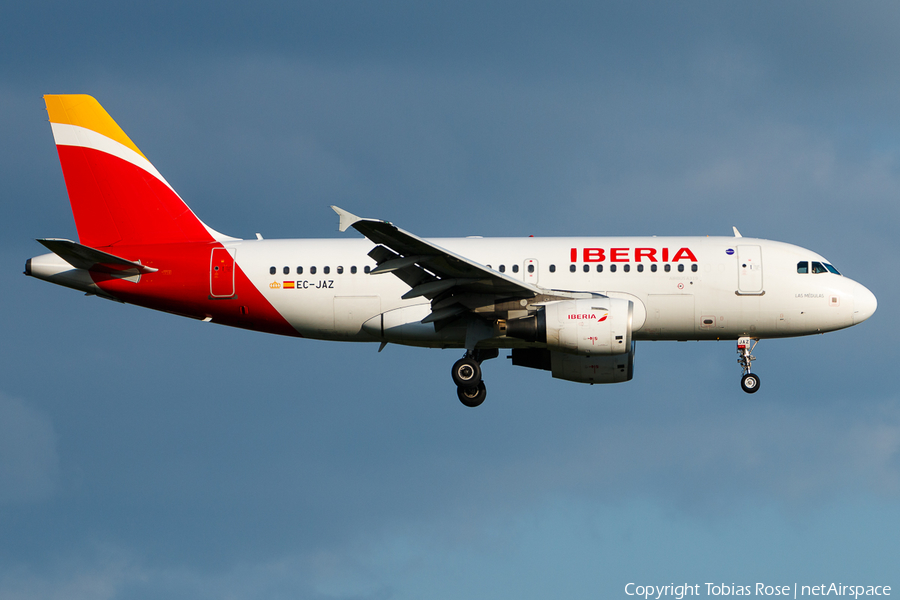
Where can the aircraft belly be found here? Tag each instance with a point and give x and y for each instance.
(351, 312)
(404, 325)
(671, 316)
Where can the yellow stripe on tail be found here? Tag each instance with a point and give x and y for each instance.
(84, 111)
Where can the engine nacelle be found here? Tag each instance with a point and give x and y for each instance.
(614, 368)
(593, 327)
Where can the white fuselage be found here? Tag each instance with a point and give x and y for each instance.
(721, 287)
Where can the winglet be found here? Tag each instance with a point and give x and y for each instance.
(347, 218)
(736, 232)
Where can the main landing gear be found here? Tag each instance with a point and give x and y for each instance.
(749, 381)
(466, 375)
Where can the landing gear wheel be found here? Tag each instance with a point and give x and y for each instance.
(472, 396)
(750, 383)
(466, 373)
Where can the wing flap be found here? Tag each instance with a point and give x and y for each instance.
(419, 262)
(398, 263)
(458, 287)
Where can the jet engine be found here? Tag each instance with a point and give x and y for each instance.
(594, 327)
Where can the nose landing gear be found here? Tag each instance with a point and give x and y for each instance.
(466, 373)
(749, 381)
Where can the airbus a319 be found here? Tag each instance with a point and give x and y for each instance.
(573, 306)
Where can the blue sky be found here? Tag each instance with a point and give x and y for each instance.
(144, 455)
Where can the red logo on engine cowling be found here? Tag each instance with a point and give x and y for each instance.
(588, 316)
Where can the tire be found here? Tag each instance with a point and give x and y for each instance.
(750, 383)
(466, 373)
(472, 397)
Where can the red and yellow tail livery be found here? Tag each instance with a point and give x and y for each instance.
(138, 241)
(118, 197)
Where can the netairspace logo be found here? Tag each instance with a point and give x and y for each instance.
(679, 592)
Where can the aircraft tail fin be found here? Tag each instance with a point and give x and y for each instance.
(117, 196)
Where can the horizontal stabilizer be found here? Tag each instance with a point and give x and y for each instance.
(90, 259)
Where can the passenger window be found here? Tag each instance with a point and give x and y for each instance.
(803, 267)
(640, 268)
(571, 268)
(340, 270)
(272, 270)
(299, 270)
(681, 267)
(515, 268)
(367, 268)
(599, 268)
(287, 270)
(531, 268)
(694, 267)
(553, 268)
(326, 270)
(667, 268)
(503, 268)
(587, 268)
(312, 270)
(353, 270)
(818, 267)
(612, 268)
(626, 267)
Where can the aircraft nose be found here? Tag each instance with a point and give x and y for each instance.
(864, 304)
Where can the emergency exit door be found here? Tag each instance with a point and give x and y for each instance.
(221, 273)
(750, 275)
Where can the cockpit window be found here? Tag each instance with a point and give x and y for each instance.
(832, 269)
(818, 267)
(803, 267)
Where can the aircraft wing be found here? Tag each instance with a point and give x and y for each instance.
(434, 272)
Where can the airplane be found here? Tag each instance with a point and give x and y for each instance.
(574, 306)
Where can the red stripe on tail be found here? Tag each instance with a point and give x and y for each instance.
(118, 203)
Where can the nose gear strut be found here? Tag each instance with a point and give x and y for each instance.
(749, 381)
